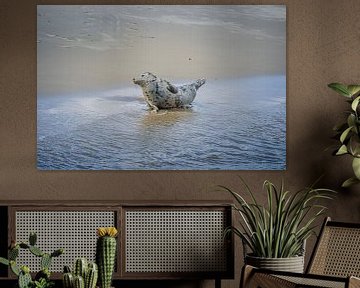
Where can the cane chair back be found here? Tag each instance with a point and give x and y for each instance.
(337, 252)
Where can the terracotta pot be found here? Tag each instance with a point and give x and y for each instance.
(291, 264)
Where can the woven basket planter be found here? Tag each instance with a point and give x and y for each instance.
(291, 264)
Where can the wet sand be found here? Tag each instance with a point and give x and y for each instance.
(82, 48)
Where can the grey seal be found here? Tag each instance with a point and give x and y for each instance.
(161, 94)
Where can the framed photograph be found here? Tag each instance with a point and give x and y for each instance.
(157, 87)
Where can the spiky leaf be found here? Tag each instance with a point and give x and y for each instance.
(279, 228)
(340, 88)
(349, 182)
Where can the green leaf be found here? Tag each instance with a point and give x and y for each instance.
(355, 103)
(351, 120)
(356, 167)
(4, 261)
(345, 134)
(342, 150)
(349, 182)
(340, 88)
(354, 145)
(353, 89)
(14, 268)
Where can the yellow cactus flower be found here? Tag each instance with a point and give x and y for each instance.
(106, 231)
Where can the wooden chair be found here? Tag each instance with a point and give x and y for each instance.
(334, 263)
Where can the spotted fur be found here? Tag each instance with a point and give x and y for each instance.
(161, 94)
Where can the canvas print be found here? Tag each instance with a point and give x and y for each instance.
(156, 87)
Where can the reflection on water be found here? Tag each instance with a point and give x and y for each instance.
(166, 118)
(233, 124)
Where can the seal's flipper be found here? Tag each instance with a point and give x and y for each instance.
(172, 89)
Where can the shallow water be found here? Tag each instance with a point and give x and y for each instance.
(233, 124)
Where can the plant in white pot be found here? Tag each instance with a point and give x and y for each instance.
(348, 132)
(276, 233)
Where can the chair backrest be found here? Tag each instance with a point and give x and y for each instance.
(337, 251)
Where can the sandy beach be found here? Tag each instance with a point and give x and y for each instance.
(81, 48)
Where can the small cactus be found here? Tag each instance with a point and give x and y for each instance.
(91, 276)
(79, 282)
(24, 278)
(13, 253)
(83, 274)
(80, 268)
(106, 254)
(68, 280)
(32, 238)
(36, 251)
(45, 261)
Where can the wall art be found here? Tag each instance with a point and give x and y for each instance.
(116, 87)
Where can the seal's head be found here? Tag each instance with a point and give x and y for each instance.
(144, 79)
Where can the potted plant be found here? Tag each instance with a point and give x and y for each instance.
(42, 278)
(348, 132)
(276, 233)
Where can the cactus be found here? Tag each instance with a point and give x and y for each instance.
(14, 268)
(42, 278)
(24, 280)
(36, 251)
(91, 276)
(32, 238)
(45, 261)
(106, 254)
(87, 272)
(81, 265)
(79, 282)
(13, 253)
(68, 280)
(44, 273)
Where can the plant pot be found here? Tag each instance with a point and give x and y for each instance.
(291, 264)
